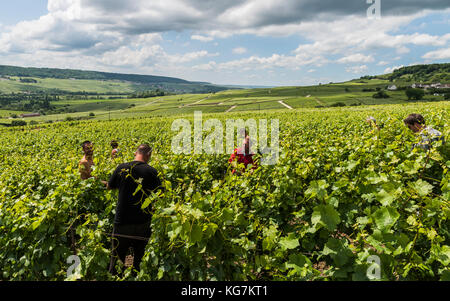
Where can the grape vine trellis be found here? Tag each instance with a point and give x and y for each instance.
(339, 194)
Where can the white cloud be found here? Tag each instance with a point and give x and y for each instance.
(352, 35)
(205, 67)
(187, 57)
(114, 35)
(357, 69)
(356, 58)
(294, 62)
(392, 69)
(81, 24)
(133, 57)
(382, 63)
(202, 38)
(428, 40)
(239, 50)
(403, 50)
(440, 54)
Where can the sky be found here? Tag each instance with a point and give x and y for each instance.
(235, 42)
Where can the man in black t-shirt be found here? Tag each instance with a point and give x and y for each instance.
(131, 223)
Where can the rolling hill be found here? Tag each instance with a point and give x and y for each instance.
(354, 93)
(432, 73)
(52, 80)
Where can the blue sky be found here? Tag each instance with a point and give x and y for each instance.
(13, 12)
(242, 42)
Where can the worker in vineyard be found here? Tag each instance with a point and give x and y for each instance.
(373, 122)
(86, 163)
(131, 222)
(115, 149)
(242, 155)
(428, 135)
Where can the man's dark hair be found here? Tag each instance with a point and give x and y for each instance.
(85, 143)
(414, 118)
(144, 149)
(114, 144)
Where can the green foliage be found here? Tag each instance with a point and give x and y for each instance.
(340, 193)
(381, 94)
(338, 104)
(147, 94)
(325, 215)
(27, 101)
(423, 73)
(18, 123)
(416, 94)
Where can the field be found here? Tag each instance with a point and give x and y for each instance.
(347, 94)
(340, 193)
(7, 113)
(63, 83)
(70, 85)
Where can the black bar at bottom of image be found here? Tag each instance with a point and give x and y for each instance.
(226, 290)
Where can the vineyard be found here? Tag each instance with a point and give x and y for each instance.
(340, 193)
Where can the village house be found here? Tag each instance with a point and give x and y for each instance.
(436, 86)
(30, 115)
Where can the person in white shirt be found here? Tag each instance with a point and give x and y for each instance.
(428, 135)
(373, 122)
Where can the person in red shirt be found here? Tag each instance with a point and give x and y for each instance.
(242, 155)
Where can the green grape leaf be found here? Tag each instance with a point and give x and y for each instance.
(297, 261)
(196, 234)
(289, 243)
(338, 250)
(325, 215)
(317, 189)
(385, 218)
(421, 187)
